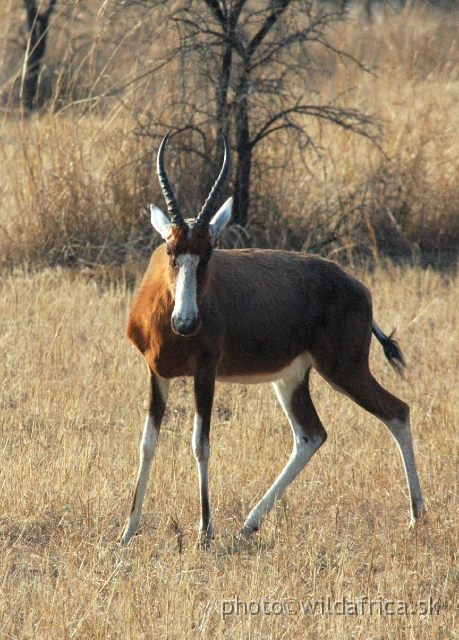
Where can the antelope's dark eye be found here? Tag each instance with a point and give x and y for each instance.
(172, 258)
(170, 251)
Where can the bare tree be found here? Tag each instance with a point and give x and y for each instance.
(247, 66)
(37, 29)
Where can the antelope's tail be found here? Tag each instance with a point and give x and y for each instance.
(391, 349)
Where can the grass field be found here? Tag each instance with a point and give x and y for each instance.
(335, 559)
(73, 399)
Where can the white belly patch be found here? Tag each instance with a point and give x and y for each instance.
(296, 369)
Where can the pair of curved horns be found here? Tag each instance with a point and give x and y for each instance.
(207, 210)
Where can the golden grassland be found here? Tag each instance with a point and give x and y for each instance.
(74, 397)
(74, 392)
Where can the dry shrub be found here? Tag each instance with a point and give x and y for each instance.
(79, 192)
(95, 49)
(351, 200)
(76, 183)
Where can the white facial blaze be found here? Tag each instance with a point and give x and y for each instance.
(186, 306)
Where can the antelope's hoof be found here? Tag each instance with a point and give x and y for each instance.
(204, 541)
(248, 529)
(204, 545)
(124, 539)
(419, 517)
(128, 531)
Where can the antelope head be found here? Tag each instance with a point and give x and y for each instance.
(189, 245)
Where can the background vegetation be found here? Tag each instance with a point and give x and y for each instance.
(78, 174)
(76, 177)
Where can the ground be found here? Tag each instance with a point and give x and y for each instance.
(334, 559)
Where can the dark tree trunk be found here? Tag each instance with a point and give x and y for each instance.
(222, 92)
(253, 96)
(222, 103)
(244, 154)
(37, 24)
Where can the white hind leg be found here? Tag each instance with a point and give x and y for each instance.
(400, 429)
(393, 412)
(308, 436)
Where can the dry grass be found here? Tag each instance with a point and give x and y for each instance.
(73, 398)
(398, 206)
(74, 392)
(73, 182)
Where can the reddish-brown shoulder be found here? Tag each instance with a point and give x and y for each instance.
(151, 302)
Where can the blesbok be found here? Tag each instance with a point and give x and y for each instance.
(249, 316)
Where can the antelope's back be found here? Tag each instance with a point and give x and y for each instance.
(277, 305)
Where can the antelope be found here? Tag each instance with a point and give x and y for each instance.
(250, 316)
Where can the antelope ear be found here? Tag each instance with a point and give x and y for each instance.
(221, 218)
(160, 222)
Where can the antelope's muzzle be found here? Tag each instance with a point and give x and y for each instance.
(186, 327)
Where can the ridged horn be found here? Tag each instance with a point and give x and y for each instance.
(172, 206)
(208, 206)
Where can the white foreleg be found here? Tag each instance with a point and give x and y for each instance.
(160, 390)
(201, 450)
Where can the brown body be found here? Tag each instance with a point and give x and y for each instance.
(253, 316)
(259, 311)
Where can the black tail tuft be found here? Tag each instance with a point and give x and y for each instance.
(391, 349)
